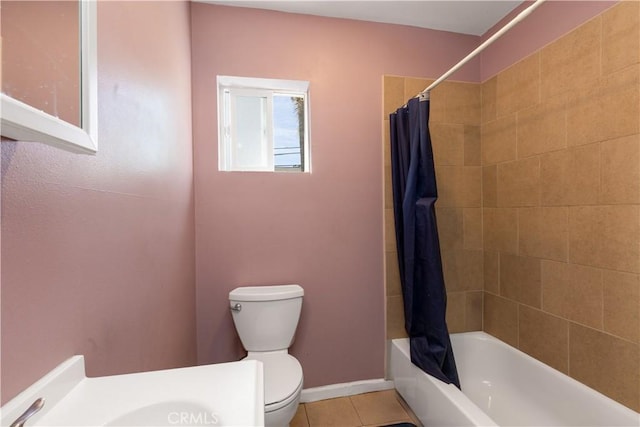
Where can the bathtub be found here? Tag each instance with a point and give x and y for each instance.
(502, 386)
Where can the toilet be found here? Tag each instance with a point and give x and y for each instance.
(266, 318)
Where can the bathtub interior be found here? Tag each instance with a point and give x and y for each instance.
(514, 389)
(432, 401)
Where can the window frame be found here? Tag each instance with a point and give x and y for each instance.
(229, 87)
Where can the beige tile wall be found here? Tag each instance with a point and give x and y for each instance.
(455, 132)
(561, 204)
(538, 171)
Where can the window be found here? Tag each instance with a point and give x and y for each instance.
(263, 125)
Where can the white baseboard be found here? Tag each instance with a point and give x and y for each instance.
(344, 389)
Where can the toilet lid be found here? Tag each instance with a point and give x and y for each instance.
(282, 375)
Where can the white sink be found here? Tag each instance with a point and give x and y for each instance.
(225, 394)
(168, 414)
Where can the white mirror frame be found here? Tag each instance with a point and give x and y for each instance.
(23, 122)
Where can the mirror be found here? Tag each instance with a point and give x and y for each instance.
(70, 127)
(41, 55)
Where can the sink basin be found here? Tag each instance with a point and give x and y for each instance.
(168, 414)
(225, 394)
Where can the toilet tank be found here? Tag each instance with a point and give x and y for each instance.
(266, 317)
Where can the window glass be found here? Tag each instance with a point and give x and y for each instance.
(288, 131)
(263, 125)
(249, 130)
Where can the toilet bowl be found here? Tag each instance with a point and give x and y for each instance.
(282, 386)
(266, 318)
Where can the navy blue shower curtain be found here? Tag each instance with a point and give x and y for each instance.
(414, 196)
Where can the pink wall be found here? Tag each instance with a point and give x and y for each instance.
(322, 230)
(98, 251)
(547, 23)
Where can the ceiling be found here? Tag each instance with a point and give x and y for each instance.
(473, 17)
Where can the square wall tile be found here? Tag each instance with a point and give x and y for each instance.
(501, 318)
(437, 106)
(388, 188)
(462, 102)
(413, 86)
(488, 93)
(448, 144)
(500, 229)
(544, 337)
(543, 127)
(544, 232)
(455, 315)
(450, 228)
(472, 146)
(492, 272)
(520, 279)
(519, 183)
(389, 231)
(620, 36)
(605, 236)
(490, 186)
(572, 61)
(620, 170)
(584, 302)
(473, 312)
(463, 270)
(553, 178)
(459, 186)
(555, 287)
(518, 86)
(392, 274)
(606, 363)
(606, 109)
(583, 175)
(395, 318)
(472, 228)
(499, 140)
(573, 292)
(622, 305)
(621, 234)
(393, 94)
(386, 139)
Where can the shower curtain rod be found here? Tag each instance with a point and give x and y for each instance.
(424, 95)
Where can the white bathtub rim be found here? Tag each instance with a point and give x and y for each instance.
(624, 411)
(456, 397)
(565, 377)
(470, 411)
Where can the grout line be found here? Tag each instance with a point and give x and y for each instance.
(518, 325)
(356, 411)
(568, 348)
(306, 415)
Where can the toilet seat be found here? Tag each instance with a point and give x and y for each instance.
(282, 378)
(295, 396)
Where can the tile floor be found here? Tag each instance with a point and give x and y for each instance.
(369, 409)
